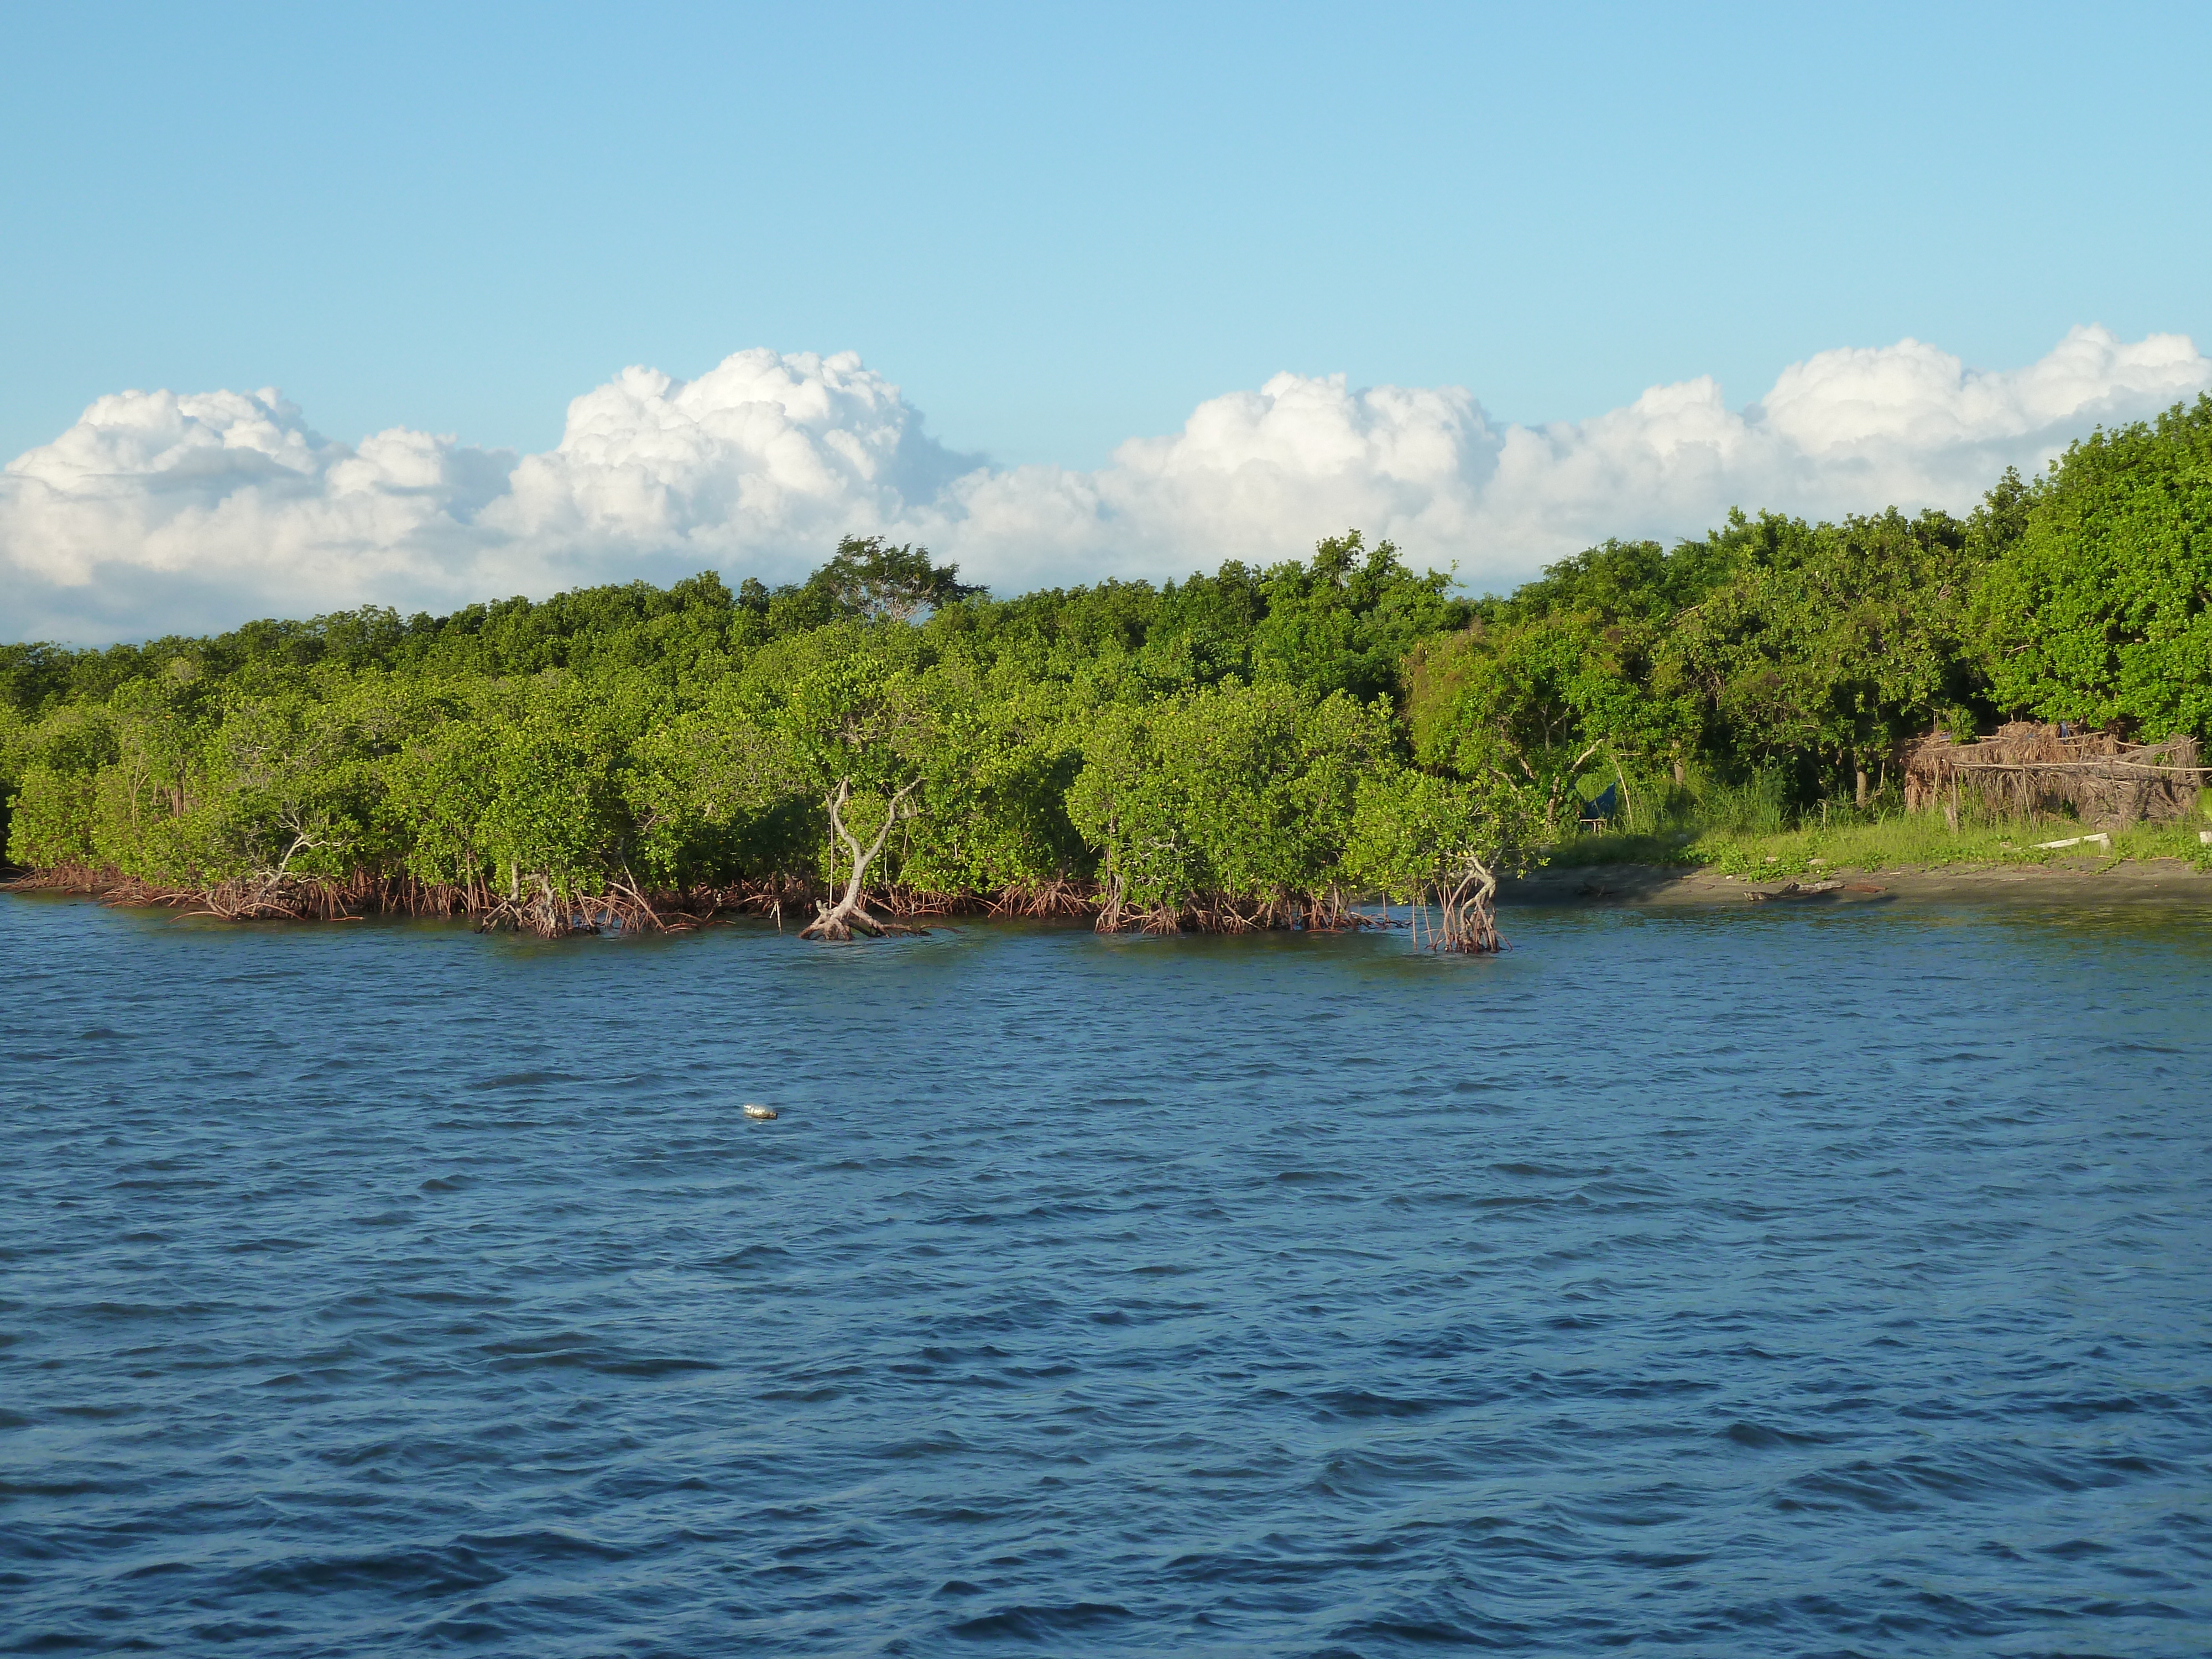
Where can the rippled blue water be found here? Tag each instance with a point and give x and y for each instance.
(1743, 1283)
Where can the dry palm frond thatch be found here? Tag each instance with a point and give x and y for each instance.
(2031, 769)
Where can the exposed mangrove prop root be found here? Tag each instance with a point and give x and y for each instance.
(531, 902)
(263, 896)
(766, 898)
(906, 902)
(1057, 897)
(68, 877)
(838, 920)
(1468, 919)
(1329, 911)
(1111, 908)
(534, 905)
(1333, 912)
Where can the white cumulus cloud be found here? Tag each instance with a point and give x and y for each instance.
(160, 512)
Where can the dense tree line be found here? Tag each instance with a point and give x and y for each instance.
(1805, 655)
(1258, 747)
(1222, 751)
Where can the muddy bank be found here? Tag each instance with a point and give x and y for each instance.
(2157, 881)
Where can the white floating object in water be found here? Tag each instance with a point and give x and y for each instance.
(754, 1108)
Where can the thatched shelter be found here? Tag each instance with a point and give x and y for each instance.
(2031, 768)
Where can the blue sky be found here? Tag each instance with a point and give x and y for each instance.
(1129, 290)
(1056, 227)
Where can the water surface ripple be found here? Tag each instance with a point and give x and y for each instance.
(1764, 1283)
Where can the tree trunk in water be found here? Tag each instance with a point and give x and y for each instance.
(839, 920)
(1470, 924)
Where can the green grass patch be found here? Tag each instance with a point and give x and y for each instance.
(1901, 841)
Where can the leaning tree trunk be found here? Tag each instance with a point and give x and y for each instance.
(839, 920)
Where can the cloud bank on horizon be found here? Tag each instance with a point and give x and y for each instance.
(161, 513)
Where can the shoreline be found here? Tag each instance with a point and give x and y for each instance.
(2168, 882)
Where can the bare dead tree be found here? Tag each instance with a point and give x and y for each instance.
(839, 920)
(268, 891)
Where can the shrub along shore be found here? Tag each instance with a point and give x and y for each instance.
(1256, 749)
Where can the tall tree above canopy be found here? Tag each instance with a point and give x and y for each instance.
(869, 579)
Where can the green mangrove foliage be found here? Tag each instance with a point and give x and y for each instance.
(1791, 660)
(881, 735)
(2101, 612)
(1255, 748)
(1772, 642)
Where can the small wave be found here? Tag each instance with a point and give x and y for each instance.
(1027, 1622)
(922, 1447)
(63, 1487)
(544, 1547)
(1760, 1436)
(751, 1256)
(421, 1571)
(1362, 1638)
(1357, 1403)
(570, 1349)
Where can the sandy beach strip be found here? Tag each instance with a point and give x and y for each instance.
(2150, 881)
